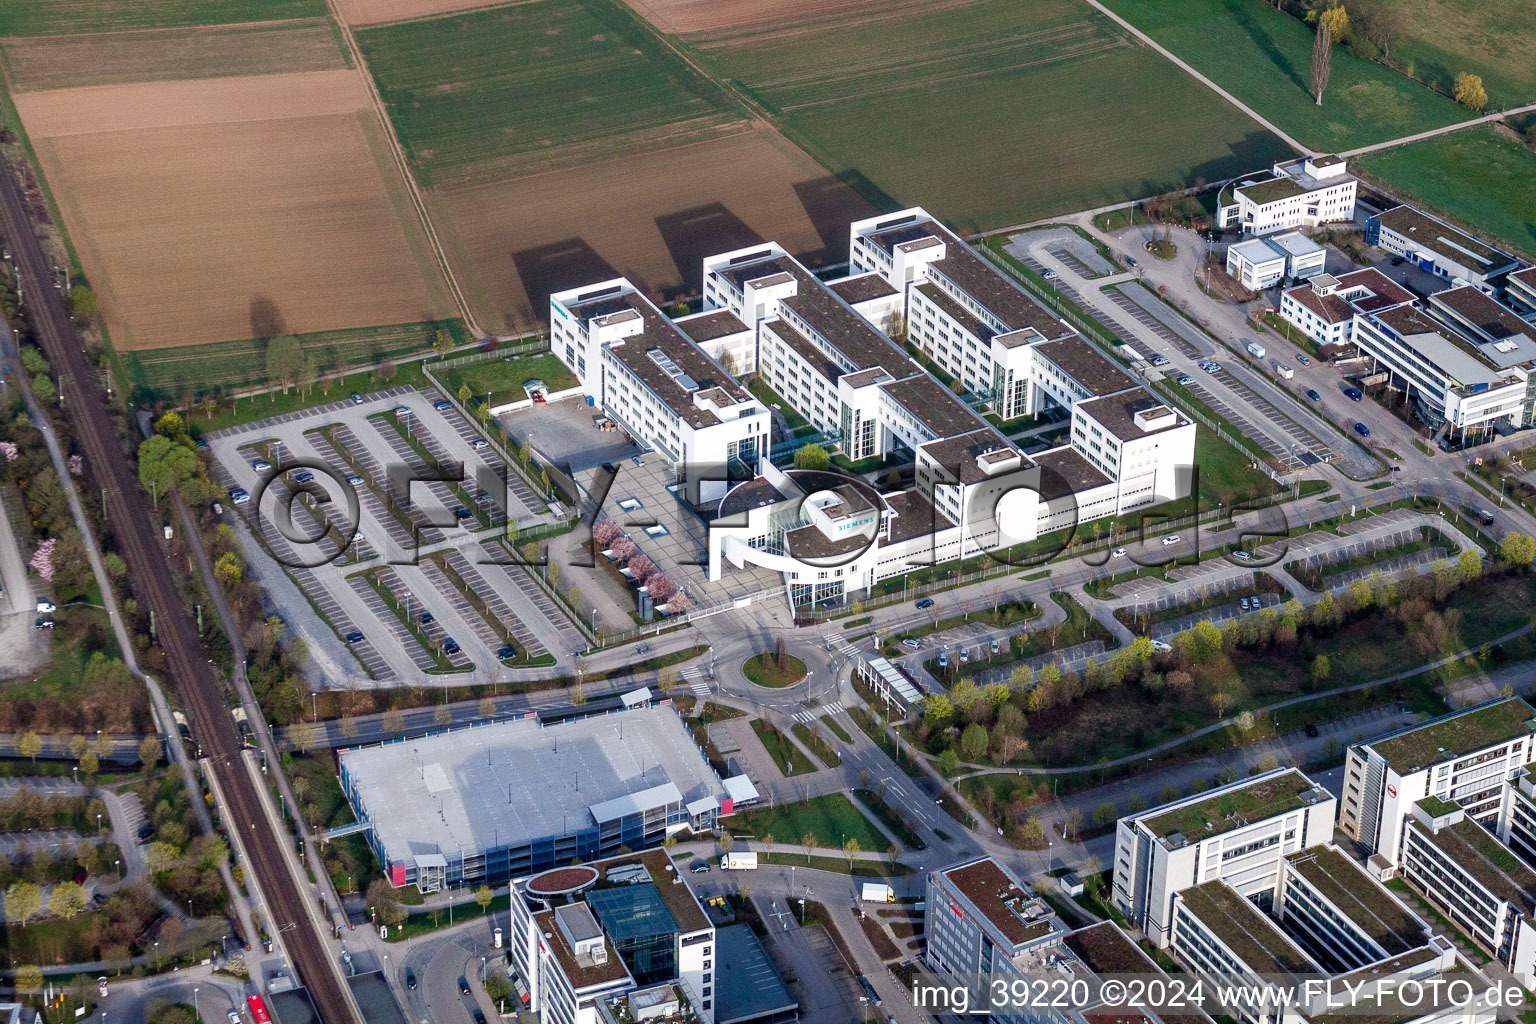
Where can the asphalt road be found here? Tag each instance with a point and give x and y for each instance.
(132, 523)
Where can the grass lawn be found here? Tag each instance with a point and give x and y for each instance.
(1225, 474)
(24, 18)
(1477, 177)
(234, 412)
(817, 744)
(790, 761)
(1076, 115)
(841, 865)
(763, 670)
(1264, 57)
(488, 90)
(429, 921)
(1492, 38)
(828, 820)
(772, 399)
(191, 370)
(502, 379)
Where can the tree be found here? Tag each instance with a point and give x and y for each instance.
(1322, 60)
(726, 841)
(163, 464)
(949, 761)
(89, 762)
(1381, 22)
(1518, 549)
(973, 742)
(577, 696)
(1169, 794)
(937, 709)
(301, 735)
(149, 753)
(812, 456)
(1104, 813)
(394, 721)
(1469, 91)
(442, 714)
(484, 896)
(67, 900)
(1136, 804)
(309, 372)
(42, 387)
(228, 569)
(29, 980)
(1470, 564)
(1072, 825)
(808, 841)
(22, 902)
(285, 358)
(104, 745)
(386, 370)
(29, 744)
(851, 848)
(442, 342)
(1336, 20)
(348, 727)
(1321, 668)
(115, 566)
(383, 904)
(487, 707)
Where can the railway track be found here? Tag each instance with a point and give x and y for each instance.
(195, 679)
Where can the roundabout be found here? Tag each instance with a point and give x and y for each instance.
(775, 672)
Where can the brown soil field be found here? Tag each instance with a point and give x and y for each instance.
(115, 108)
(680, 17)
(378, 12)
(188, 223)
(651, 217)
(151, 55)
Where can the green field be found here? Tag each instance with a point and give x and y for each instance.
(1009, 111)
(1477, 177)
(495, 90)
(218, 366)
(829, 820)
(501, 380)
(1264, 58)
(1492, 38)
(44, 17)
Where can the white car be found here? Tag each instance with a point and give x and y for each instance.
(45, 607)
(911, 644)
(1170, 540)
(478, 443)
(1160, 647)
(402, 410)
(1117, 553)
(261, 465)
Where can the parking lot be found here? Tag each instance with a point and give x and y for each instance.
(566, 433)
(387, 513)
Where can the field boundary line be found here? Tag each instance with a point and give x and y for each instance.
(1406, 140)
(1178, 61)
(403, 164)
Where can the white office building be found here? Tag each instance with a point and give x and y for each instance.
(1239, 834)
(1305, 193)
(1261, 263)
(1437, 247)
(1462, 758)
(1324, 308)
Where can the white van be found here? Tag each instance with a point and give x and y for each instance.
(1285, 372)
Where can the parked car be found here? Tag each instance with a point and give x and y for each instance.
(1158, 359)
(1117, 553)
(1212, 367)
(506, 651)
(699, 866)
(234, 1018)
(261, 465)
(1170, 540)
(355, 637)
(442, 404)
(355, 480)
(410, 979)
(479, 1015)
(1131, 260)
(461, 513)
(1160, 647)
(1049, 275)
(43, 623)
(145, 831)
(1312, 394)
(463, 984)
(1354, 394)
(402, 410)
(357, 399)
(303, 476)
(1362, 430)
(1241, 555)
(479, 444)
(1304, 361)
(218, 509)
(1312, 729)
(925, 602)
(1397, 261)
(239, 495)
(911, 644)
(997, 645)
(426, 617)
(451, 646)
(45, 607)
(1186, 380)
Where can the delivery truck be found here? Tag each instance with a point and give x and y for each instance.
(874, 892)
(741, 861)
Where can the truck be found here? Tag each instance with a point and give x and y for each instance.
(1256, 350)
(745, 860)
(874, 892)
(1285, 372)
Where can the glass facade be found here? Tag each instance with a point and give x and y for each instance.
(643, 931)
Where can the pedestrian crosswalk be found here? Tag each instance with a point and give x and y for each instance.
(700, 690)
(809, 717)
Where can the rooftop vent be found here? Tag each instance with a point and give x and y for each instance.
(674, 371)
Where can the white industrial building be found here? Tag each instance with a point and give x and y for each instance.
(1261, 263)
(1305, 193)
(1437, 247)
(1239, 834)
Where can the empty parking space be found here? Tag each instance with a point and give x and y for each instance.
(495, 563)
(391, 624)
(1142, 316)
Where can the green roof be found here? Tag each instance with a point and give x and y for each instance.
(1272, 191)
(1245, 931)
(1358, 897)
(1232, 808)
(1375, 1006)
(1472, 848)
(1437, 807)
(1456, 735)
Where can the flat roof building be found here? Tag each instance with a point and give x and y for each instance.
(1241, 832)
(1437, 247)
(1463, 757)
(491, 801)
(1303, 193)
(1324, 308)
